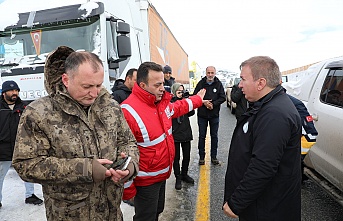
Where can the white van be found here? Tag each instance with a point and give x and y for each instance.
(322, 93)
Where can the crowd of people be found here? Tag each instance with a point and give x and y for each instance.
(70, 140)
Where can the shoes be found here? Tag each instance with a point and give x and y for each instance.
(214, 161)
(201, 162)
(178, 184)
(33, 200)
(187, 179)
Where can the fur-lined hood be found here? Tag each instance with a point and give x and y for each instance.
(54, 68)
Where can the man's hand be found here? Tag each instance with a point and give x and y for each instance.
(202, 93)
(208, 104)
(228, 211)
(117, 175)
(105, 161)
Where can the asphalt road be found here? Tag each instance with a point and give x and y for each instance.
(181, 205)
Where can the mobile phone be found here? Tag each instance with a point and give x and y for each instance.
(121, 164)
(126, 163)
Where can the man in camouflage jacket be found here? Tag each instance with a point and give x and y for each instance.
(66, 140)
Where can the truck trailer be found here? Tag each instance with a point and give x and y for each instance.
(123, 33)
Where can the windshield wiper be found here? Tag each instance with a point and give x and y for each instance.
(9, 64)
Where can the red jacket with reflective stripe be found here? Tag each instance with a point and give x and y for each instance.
(151, 124)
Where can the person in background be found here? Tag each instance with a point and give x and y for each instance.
(149, 114)
(263, 176)
(168, 79)
(68, 140)
(334, 97)
(121, 92)
(182, 133)
(309, 132)
(208, 113)
(238, 97)
(11, 108)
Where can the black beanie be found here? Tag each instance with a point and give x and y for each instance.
(9, 85)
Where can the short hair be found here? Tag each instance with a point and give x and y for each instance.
(211, 67)
(76, 58)
(129, 73)
(264, 67)
(143, 71)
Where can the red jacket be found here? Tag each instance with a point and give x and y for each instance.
(151, 124)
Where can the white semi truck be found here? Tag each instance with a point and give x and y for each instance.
(123, 33)
(322, 92)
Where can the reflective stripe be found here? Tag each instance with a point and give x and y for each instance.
(138, 120)
(128, 184)
(312, 137)
(304, 150)
(170, 131)
(142, 127)
(190, 104)
(142, 173)
(154, 142)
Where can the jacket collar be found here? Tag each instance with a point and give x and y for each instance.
(71, 106)
(256, 106)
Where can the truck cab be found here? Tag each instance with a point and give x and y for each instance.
(97, 27)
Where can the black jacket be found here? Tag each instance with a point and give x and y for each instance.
(182, 130)
(214, 92)
(9, 120)
(309, 131)
(238, 97)
(263, 177)
(121, 93)
(168, 83)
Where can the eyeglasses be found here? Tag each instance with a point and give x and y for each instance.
(179, 91)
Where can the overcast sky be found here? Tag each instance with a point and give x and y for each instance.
(224, 33)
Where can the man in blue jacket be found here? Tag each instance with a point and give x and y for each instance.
(11, 107)
(263, 177)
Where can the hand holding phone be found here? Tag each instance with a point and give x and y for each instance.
(121, 164)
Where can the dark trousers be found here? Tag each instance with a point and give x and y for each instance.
(214, 125)
(149, 201)
(186, 153)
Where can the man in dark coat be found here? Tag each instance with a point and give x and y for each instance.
(263, 177)
(208, 113)
(168, 79)
(238, 97)
(123, 91)
(11, 108)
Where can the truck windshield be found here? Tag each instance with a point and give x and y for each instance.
(28, 46)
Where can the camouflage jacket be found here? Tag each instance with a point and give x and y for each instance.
(56, 143)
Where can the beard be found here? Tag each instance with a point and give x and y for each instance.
(12, 98)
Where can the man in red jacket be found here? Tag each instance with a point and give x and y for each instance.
(149, 114)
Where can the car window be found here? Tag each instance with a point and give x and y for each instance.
(332, 90)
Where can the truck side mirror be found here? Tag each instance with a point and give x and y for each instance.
(123, 28)
(123, 41)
